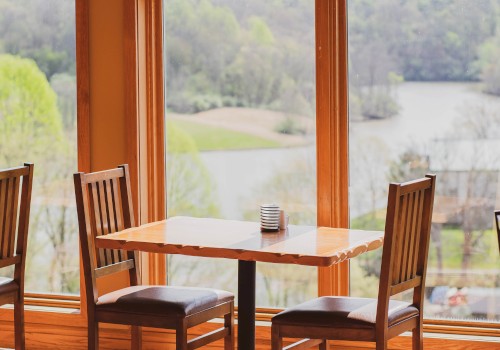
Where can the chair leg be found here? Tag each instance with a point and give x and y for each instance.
(136, 335)
(93, 334)
(324, 345)
(229, 323)
(181, 335)
(381, 344)
(276, 341)
(19, 323)
(417, 338)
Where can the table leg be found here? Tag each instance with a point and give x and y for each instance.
(246, 305)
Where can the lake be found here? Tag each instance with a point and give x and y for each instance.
(428, 112)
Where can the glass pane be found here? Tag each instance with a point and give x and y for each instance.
(425, 98)
(38, 125)
(241, 128)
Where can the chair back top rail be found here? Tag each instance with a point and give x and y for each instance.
(406, 242)
(104, 206)
(103, 175)
(14, 172)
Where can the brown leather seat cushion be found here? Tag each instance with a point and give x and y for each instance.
(7, 285)
(333, 312)
(162, 300)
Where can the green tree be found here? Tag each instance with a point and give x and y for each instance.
(373, 75)
(31, 129)
(43, 30)
(202, 39)
(430, 41)
(189, 186)
(260, 32)
(443, 38)
(64, 85)
(227, 53)
(190, 191)
(253, 78)
(30, 123)
(489, 64)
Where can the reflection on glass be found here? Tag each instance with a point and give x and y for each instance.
(241, 128)
(424, 98)
(38, 125)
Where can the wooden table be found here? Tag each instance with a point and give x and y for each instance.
(241, 240)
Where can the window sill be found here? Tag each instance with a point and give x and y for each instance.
(53, 301)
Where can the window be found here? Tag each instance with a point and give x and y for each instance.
(38, 124)
(424, 97)
(241, 128)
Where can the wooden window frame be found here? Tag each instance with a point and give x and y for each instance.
(332, 132)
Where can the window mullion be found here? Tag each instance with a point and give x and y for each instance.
(332, 132)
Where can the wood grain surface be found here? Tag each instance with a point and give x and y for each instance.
(304, 245)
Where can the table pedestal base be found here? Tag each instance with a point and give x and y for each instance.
(246, 305)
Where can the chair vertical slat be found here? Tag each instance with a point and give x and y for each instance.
(396, 238)
(2, 214)
(413, 235)
(118, 205)
(111, 206)
(7, 219)
(399, 233)
(103, 207)
(104, 218)
(418, 229)
(126, 195)
(3, 218)
(128, 215)
(404, 245)
(407, 237)
(117, 202)
(424, 240)
(111, 216)
(497, 222)
(96, 212)
(13, 222)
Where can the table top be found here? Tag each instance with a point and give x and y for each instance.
(243, 240)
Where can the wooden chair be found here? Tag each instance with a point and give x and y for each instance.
(14, 222)
(404, 261)
(104, 206)
(497, 220)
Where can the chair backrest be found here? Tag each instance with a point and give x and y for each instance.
(104, 205)
(406, 243)
(497, 220)
(14, 218)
